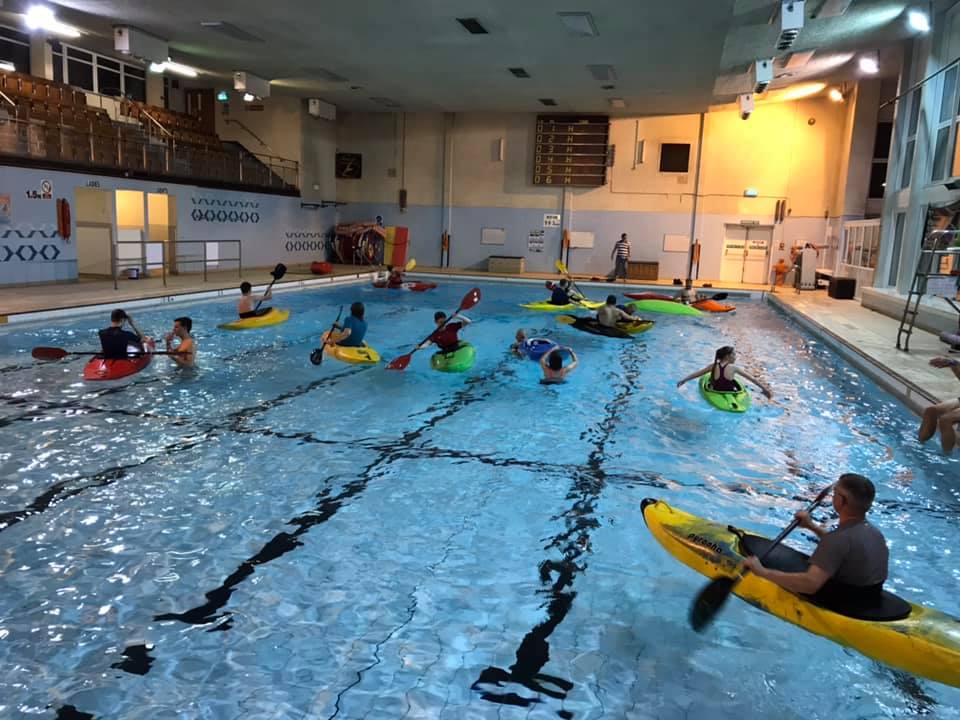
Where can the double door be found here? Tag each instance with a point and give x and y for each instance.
(746, 254)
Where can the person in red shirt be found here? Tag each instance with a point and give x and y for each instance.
(446, 335)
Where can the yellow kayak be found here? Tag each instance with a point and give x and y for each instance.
(365, 355)
(272, 317)
(545, 306)
(901, 634)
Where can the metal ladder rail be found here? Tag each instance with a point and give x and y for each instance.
(930, 253)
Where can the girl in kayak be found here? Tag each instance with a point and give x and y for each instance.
(723, 373)
(551, 363)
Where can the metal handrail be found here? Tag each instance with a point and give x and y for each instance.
(252, 134)
(141, 262)
(156, 122)
(7, 98)
(205, 260)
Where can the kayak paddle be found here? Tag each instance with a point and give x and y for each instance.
(469, 300)
(278, 272)
(316, 357)
(411, 264)
(52, 353)
(563, 269)
(715, 594)
(718, 296)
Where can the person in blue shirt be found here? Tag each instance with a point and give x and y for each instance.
(353, 330)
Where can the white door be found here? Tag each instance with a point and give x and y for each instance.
(734, 246)
(756, 259)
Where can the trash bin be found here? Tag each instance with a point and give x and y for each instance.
(842, 288)
(133, 273)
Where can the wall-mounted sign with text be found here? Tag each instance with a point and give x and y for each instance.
(551, 220)
(44, 193)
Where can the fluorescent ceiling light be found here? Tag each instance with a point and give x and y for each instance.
(40, 17)
(7, 66)
(919, 21)
(869, 64)
(578, 23)
(804, 90)
(617, 103)
(836, 95)
(247, 97)
(173, 67)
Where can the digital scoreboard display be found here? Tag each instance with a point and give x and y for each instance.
(571, 150)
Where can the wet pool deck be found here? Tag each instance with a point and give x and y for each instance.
(866, 338)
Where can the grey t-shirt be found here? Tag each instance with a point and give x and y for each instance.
(855, 554)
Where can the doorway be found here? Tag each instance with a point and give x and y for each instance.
(746, 254)
(94, 211)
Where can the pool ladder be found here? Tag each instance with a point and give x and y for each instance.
(941, 248)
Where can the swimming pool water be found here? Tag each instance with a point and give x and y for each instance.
(263, 538)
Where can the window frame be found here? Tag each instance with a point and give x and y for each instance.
(67, 53)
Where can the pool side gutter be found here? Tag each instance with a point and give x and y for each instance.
(907, 392)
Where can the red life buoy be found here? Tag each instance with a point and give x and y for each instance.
(321, 268)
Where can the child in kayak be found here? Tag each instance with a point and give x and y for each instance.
(394, 277)
(554, 371)
(117, 342)
(446, 335)
(562, 294)
(353, 330)
(723, 373)
(248, 301)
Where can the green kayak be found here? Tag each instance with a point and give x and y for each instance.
(668, 307)
(737, 402)
(459, 360)
(545, 306)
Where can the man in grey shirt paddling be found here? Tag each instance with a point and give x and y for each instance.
(849, 566)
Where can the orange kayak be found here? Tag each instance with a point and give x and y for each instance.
(712, 306)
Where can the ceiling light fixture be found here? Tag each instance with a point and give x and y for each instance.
(40, 17)
(7, 66)
(174, 67)
(836, 95)
(869, 64)
(249, 97)
(579, 23)
(804, 90)
(918, 21)
(617, 103)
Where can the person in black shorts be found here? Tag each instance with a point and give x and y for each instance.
(849, 566)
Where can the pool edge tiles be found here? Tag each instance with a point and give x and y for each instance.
(23, 318)
(914, 397)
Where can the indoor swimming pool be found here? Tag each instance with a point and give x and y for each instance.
(265, 538)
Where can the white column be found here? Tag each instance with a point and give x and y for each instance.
(154, 89)
(41, 56)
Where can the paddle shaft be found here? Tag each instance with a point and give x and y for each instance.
(468, 301)
(329, 333)
(278, 272)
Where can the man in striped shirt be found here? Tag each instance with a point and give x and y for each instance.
(621, 252)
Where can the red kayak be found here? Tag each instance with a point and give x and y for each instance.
(706, 305)
(101, 369)
(411, 286)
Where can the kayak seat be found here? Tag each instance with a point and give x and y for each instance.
(786, 559)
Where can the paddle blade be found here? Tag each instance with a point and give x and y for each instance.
(566, 319)
(719, 296)
(400, 363)
(49, 353)
(469, 300)
(279, 271)
(316, 357)
(411, 264)
(559, 265)
(710, 600)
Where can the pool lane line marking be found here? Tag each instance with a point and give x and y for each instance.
(533, 653)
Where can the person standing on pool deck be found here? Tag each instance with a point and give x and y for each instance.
(609, 315)
(621, 254)
(186, 348)
(248, 301)
(353, 330)
(723, 373)
(849, 566)
(445, 336)
(944, 416)
(551, 363)
(119, 343)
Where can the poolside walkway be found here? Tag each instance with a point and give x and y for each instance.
(873, 336)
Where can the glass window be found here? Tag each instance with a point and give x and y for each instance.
(881, 145)
(15, 35)
(878, 180)
(897, 246)
(907, 165)
(914, 112)
(131, 71)
(58, 67)
(76, 54)
(16, 53)
(107, 63)
(940, 152)
(80, 74)
(108, 82)
(135, 88)
(949, 87)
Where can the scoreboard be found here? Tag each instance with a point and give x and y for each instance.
(571, 150)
